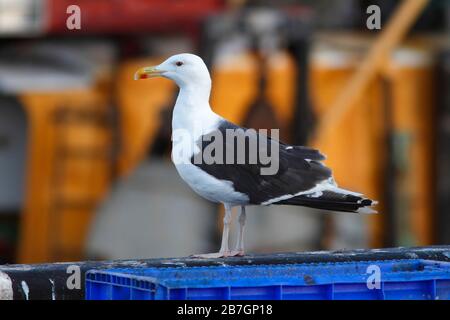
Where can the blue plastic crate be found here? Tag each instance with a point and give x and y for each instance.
(400, 279)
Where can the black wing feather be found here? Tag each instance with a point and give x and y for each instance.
(299, 168)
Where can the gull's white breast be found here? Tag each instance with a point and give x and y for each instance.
(210, 187)
(192, 129)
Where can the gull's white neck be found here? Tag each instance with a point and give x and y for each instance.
(192, 111)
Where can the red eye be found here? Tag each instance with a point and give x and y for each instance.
(179, 63)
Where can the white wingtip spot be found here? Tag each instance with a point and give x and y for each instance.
(6, 291)
(25, 289)
(366, 210)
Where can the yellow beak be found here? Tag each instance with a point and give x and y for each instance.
(147, 72)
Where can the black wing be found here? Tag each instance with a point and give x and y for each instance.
(299, 168)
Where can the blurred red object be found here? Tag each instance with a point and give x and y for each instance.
(122, 16)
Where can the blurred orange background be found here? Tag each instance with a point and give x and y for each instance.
(85, 150)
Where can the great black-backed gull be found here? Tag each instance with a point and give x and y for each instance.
(299, 177)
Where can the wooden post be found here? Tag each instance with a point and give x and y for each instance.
(49, 281)
(394, 32)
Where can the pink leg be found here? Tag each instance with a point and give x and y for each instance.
(224, 250)
(239, 250)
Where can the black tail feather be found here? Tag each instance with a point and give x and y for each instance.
(332, 201)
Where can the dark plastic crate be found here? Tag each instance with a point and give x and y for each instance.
(400, 279)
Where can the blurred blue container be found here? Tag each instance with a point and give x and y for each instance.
(400, 279)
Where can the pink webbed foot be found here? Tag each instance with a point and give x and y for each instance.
(237, 253)
(215, 255)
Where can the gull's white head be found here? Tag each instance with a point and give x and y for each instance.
(185, 69)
